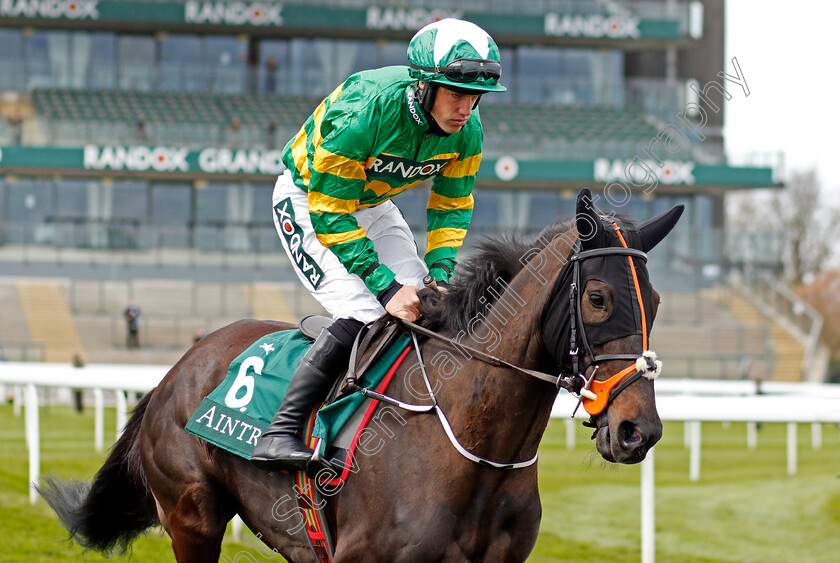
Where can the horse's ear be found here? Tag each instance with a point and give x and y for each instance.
(587, 220)
(653, 231)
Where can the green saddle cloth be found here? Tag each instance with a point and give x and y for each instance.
(237, 412)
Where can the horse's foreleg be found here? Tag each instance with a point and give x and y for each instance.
(197, 525)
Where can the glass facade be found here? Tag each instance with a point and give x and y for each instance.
(235, 218)
(143, 214)
(38, 59)
(181, 211)
(136, 214)
(568, 76)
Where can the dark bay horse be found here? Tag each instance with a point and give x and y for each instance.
(539, 305)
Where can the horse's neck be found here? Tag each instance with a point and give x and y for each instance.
(517, 313)
(504, 408)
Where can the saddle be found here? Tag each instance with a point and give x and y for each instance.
(374, 339)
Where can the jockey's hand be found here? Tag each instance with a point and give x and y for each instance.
(405, 304)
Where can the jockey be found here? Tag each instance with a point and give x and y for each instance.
(381, 132)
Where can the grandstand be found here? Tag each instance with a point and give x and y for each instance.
(592, 85)
(179, 113)
(68, 117)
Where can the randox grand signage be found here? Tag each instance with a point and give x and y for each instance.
(174, 159)
(141, 160)
(358, 21)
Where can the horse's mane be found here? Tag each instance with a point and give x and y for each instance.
(495, 258)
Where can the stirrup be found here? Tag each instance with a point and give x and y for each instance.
(276, 453)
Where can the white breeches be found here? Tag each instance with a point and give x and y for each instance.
(342, 294)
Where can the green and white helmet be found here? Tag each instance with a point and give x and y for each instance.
(456, 53)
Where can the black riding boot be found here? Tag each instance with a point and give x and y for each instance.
(280, 447)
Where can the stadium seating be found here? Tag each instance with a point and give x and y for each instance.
(85, 317)
(170, 107)
(569, 122)
(189, 118)
(707, 334)
(525, 130)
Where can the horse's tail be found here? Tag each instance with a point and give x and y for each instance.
(107, 514)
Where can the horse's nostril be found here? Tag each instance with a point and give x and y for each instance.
(629, 435)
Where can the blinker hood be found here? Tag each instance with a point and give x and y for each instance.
(627, 276)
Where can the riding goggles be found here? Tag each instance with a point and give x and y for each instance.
(466, 71)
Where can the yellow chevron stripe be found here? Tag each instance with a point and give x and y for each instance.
(300, 156)
(336, 93)
(339, 238)
(452, 238)
(462, 168)
(322, 203)
(299, 149)
(378, 187)
(443, 203)
(337, 165)
(401, 189)
(317, 118)
(381, 188)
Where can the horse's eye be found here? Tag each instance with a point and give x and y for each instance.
(597, 300)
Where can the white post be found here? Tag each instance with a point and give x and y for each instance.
(648, 512)
(236, 528)
(99, 420)
(26, 428)
(752, 435)
(122, 409)
(570, 434)
(816, 435)
(791, 448)
(18, 399)
(34, 435)
(694, 456)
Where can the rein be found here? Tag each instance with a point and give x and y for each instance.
(489, 358)
(435, 406)
(593, 394)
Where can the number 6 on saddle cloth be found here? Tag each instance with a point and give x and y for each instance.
(237, 412)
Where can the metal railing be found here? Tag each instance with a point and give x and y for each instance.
(120, 242)
(698, 257)
(775, 300)
(193, 298)
(23, 351)
(735, 366)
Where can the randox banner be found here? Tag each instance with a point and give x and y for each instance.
(624, 26)
(149, 160)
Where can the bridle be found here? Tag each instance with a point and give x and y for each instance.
(596, 395)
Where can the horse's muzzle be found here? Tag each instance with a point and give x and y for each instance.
(626, 441)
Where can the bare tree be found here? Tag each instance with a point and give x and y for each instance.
(823, 294)
(810, 225)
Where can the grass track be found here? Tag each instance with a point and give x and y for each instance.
(744, 508)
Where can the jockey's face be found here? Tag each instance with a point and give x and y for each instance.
(451, 110)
